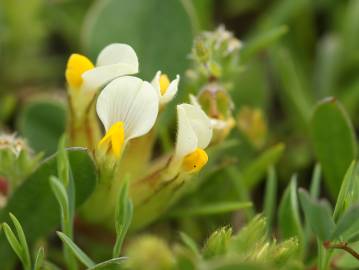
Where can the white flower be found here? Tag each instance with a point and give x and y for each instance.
(128, 108)
(114, 60)
(166, 90)
(193, 136)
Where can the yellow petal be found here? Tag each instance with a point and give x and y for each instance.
(114, 139)
(76, 66)
(164, 83)
(195, 161)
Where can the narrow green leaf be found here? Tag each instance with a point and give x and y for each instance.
(123, 215)
(39, 259)
(190, 243)
(288, 217)
(211, 209)
(61, 195)
(328, 65)
(257, 169)
(334, 142)
(270, 198)
(109, 263)
(63, 166)
(349, 191)
(293, 89)
(14, 243)
(76, 250)
(315, 182)
(348, 221)
(317, 215)
(314, 194)
(22, 240)
(262, 41)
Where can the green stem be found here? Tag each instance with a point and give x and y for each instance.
(67, 223)
(323, 256)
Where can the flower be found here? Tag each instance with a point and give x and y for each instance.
(128, 108)
(114, 60)
(166, 89)
(193, 136)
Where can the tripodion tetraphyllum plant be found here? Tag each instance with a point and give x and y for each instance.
(111, 177)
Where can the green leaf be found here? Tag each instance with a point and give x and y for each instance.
(293, 89)
(190, 243)
(262, 41)
(109, 263)
(315, 182)
(39, 259)
(257, 169)
(63, 166)
(34, 203)
(270, 198)
(348, 222)
(288, 216)
(349, 191)
(317, 215)
(22, 240)
(155, 40)
(76, 250)
(42, 123)
(334, 142)
(124, 214)
(15, 244)
(211, 209)
(61, 195)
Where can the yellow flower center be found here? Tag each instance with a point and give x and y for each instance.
(194, 161)
(76, 66)
(114, 139)
(164, 83)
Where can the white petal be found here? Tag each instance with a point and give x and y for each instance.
(200, 123)
(156, 82)
(130, 100)
(186, 137)
(114, 61)
(117, 53)
(194, 101)
(218, 124)
(171, 91)
(194, 129)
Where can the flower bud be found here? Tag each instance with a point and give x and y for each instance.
(252, 124)
(200, 50)
(217, 243)
(217, 103)
(16, 160)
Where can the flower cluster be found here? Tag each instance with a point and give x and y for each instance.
(128, 108)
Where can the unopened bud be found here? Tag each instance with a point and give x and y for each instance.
(16, 160)
(200, 50)
(217, 243)
(252, 124)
